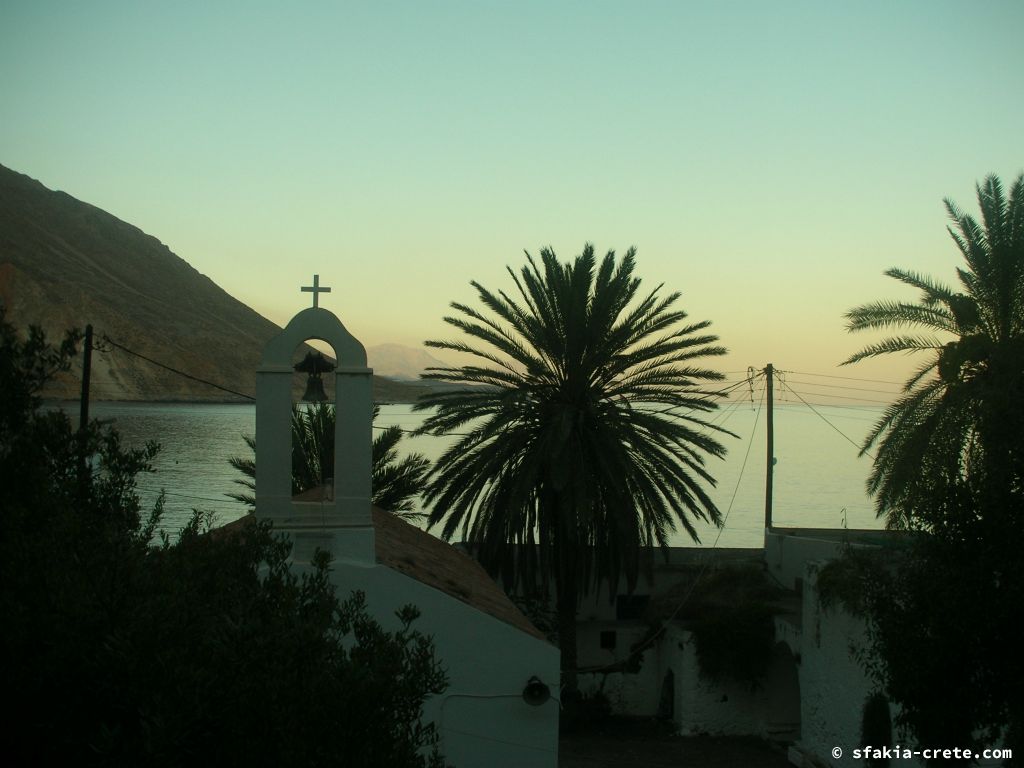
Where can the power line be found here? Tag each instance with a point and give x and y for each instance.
(727, 413)
(846, 386)
(185, 495)
(172, 369)
(847, 378)
(865, 419)
(719, 393)
(113, 343)
(704, 566)
(840, 406)
(844, 397)
(837, 429)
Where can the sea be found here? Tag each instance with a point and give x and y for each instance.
(819, 476)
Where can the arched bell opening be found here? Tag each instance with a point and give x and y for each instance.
(279, 390)
(313, 421)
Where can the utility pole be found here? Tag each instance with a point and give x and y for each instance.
(83, 410)
(769, 373)
(83, 418)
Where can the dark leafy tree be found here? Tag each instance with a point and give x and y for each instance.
(583, 441)
(950, 464)
(941, 615)
(395, 482)
(876, 728)
(960, 416)
(205, 651)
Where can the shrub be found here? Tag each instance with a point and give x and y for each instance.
(207, 651)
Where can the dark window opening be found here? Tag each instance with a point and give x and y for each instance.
(609, 639)
(631, 606)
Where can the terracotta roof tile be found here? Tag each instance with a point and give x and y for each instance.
(414, 552)
(411, 551)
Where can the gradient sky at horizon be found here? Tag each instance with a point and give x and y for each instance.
(769, 161)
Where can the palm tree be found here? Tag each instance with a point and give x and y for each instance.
(582, 444)
(395, 482)
(959, 417)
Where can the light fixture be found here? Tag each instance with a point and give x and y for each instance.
(536, 692)
(314, 364)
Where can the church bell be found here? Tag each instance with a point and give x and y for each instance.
(314, 389)
(314, 364)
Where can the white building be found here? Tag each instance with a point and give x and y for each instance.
(811, 699)
(490, 651)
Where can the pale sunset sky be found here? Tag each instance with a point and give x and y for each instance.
(768, 160)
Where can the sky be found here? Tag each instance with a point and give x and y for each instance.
(768, 160)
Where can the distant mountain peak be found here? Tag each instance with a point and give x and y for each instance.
(399, 361)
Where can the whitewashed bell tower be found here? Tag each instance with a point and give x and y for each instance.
(338, 519)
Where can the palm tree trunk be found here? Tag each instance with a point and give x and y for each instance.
(564, 561)
(568, 599)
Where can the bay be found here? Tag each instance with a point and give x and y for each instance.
(818, 477)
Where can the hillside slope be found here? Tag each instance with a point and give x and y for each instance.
(65, 263)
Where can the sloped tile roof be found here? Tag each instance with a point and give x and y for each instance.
(413, 552)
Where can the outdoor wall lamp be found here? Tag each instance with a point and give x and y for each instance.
(536, 692)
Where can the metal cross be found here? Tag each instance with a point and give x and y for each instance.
(316, 290)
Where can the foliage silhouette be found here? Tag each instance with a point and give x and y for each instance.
(208, 650)
(959, 418)
(585, 444)
(395, 483)
(950, 466)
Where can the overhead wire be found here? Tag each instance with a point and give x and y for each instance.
(822, 417)
(108, 340)
(798, 408)
(182, 495)
(172, 369)
(726, 413)
(843, 397)
(721, 418)
(648, 641)
(719, 393)
(846, 378)
(846, 386)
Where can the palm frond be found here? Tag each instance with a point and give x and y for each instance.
(932, 292)
(889, 314)
(395, 481)
(558, 456)
(954, 422)
(906, 344)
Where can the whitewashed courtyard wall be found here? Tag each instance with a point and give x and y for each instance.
(833, 683)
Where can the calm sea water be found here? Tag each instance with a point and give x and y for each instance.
(819, 478)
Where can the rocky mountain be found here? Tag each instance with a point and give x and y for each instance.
(65, 263)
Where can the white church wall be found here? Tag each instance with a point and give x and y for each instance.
(482, 716)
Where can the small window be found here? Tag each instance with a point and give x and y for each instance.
(631, 606)
(609, 639)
